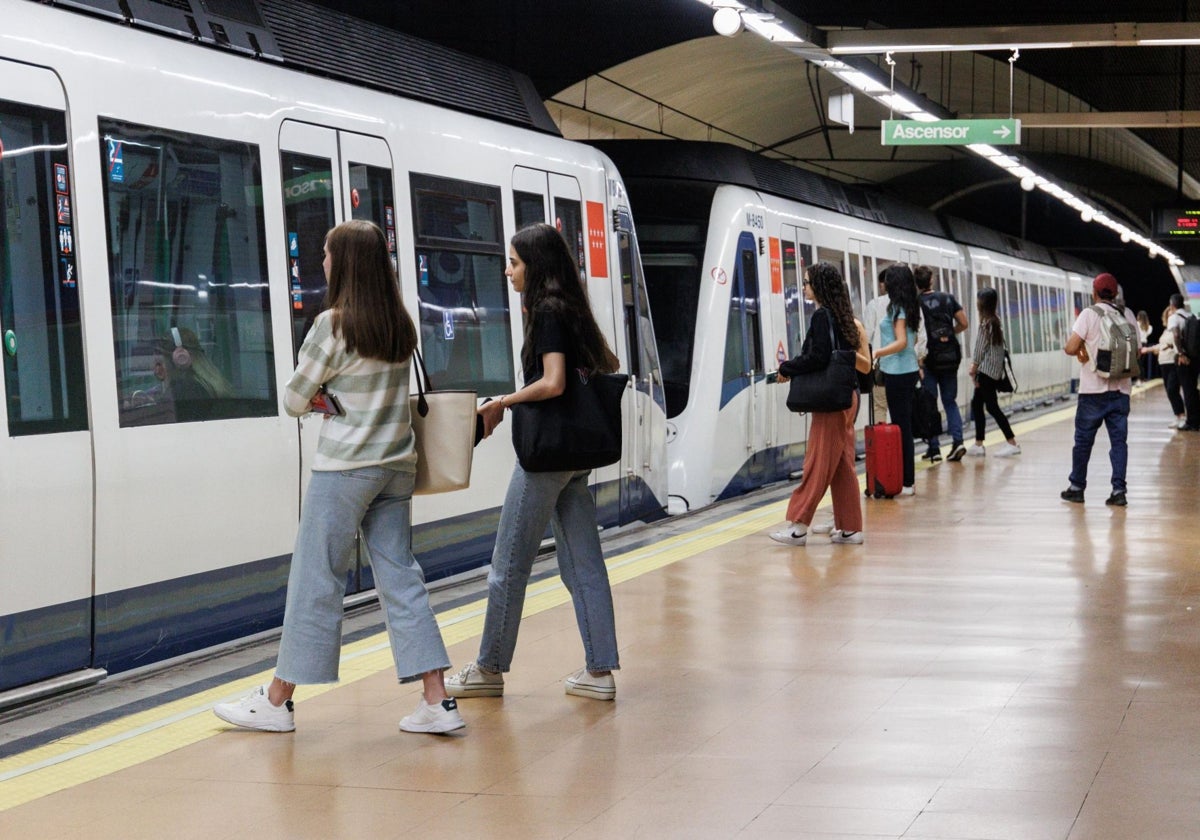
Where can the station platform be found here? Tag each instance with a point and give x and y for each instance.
(992, 664)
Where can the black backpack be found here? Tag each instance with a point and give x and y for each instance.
(1189, 339)
(942, 350)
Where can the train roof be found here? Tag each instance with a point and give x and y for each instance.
(315, 40)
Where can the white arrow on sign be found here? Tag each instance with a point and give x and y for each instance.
(1003, 131)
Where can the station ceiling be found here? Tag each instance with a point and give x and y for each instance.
(656, 68)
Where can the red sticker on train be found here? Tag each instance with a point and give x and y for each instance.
(597, 241)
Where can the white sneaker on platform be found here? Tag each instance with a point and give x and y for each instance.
(585, 684)
(977, 451)
(434, 718)
(255, 711)
(846, 537)
(1007, 450)
(473, 681)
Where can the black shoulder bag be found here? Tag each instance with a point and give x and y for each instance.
(580, 429)
(829, 389)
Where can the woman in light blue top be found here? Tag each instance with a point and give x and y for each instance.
(898, 358)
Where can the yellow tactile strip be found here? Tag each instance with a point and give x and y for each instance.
(140, 737)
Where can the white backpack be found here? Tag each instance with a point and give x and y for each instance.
(1119, 347)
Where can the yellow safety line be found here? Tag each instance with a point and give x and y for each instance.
(139, 737)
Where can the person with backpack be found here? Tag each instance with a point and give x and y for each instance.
(944, 319)
(1105, 341)
(1186, 328)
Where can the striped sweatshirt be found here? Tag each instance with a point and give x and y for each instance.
(376, 428)
(988, 358)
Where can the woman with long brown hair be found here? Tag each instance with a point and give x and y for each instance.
(829, 455)
(359, 349)
(561, 335)
(987, 368)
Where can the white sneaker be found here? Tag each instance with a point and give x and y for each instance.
(789, 537)
(584, 684)
(433, 717)
(976, 451)
(822, 527)
(1007, 450)
(1181, 423)
(255, 711)
(907, 491)
(846, 537)
(473, 681)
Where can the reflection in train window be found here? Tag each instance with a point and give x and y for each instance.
(530, 208)
(39, 292)
(308, 214)
(191, 311)
(464, 318)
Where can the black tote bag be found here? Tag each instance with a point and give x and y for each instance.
(580, 429)
(829, 389)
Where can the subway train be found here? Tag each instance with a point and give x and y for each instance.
(726, 235)
(168, 173)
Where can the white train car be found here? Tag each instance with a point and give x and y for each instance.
(726, 236)
(168, 172)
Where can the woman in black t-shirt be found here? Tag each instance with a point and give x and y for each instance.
(561, 335)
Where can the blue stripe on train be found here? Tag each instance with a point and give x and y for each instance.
(147, 624)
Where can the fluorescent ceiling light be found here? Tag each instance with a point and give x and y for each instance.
(898, 103)
(724, 4)
(769, 27)
(860, 80)
(983, 149)
(923, 116)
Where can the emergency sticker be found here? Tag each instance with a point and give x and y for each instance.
(116, 161)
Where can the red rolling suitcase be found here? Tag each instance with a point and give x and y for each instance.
(885, 464)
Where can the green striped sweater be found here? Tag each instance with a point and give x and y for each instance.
(376, 428)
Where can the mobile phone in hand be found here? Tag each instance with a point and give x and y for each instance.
(326, 403)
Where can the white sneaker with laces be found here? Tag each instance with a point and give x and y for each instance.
(255, 711)
(433, 717)
(907, 491)
(789, 537)
(822, 527)
(846, 537)
(473, 681)
(585, 684)
(1007, 450)
(977, 451)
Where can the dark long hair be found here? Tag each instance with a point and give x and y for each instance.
(364, 295)
(902, 296)
(830, 291)
(986, 300)
(552, 286)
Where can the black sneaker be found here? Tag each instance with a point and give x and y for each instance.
(957, 452)
(1073, 495)
(1117, 499)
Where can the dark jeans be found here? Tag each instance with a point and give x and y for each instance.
(1170, 375)
(1112, 409)
(901, 393)
(946, 381)
(1191, 399)
(985, 397)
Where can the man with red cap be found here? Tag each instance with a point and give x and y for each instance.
(1103, 392)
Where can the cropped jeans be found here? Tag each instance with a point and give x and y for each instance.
(379, 500)
(562, 500)
(1112, 409)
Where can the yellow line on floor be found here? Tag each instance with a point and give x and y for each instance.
(139, 737)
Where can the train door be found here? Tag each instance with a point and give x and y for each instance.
(328, 176)
(743, 369)
(860, 278)
(796, 256)
(46, 549)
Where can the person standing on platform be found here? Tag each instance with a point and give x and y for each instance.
(359, 348)
(1147, 358)
(944, 319)
(1186, 367)
(897, 359)
(873, 314)
(829, 455)
(987, 368)
(1165, 353)
(1102, 400)
(561, 334)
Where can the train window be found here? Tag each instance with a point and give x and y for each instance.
(372, 199)
(1012, 317)
(308, 210)
(464, 317)
(39, 292)
(829, 255)
(190, 298)
(674, 292)
(530, 208)
(568, 218)
(792, 298)
(743, 340)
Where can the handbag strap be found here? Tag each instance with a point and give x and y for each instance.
(1009, 370)
(422, 403)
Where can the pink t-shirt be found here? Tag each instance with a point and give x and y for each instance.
(1089, 326)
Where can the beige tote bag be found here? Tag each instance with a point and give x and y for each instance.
(444, 425)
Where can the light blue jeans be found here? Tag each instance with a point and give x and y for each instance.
(379, 501)
(563, 500)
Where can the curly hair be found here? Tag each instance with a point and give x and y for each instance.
(829, 290)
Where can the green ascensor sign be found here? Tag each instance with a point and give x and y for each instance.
(951, 132)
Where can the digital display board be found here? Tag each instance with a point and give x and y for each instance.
(1175, 221)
